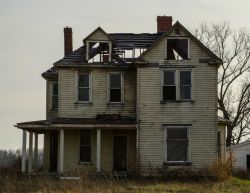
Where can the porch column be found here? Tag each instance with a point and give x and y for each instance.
(30, 152)
(24, 151)
(98, 150)
(36, 151)
(61, 151)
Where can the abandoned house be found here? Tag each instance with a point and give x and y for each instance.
(126, 102)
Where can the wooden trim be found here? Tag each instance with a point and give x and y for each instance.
(71, 126)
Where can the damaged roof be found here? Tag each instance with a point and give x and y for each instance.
(127, 41)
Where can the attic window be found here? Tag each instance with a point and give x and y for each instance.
(98, 51)
(177, 49)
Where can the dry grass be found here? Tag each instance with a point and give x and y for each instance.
(11, 182)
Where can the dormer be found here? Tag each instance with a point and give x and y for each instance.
(98, 46)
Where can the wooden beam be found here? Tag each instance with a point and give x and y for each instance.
(98, 150)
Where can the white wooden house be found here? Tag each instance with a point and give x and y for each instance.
(125, 101)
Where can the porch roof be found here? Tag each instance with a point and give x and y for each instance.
(78, 123)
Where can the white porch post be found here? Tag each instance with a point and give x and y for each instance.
(36, 151)
(61, 152)
(98, 150)
(30, 152)
(24, 151)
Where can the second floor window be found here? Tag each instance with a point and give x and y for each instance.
(84, 87)
(115, 87)
(54, 96)
(169, 85)
(177, 85)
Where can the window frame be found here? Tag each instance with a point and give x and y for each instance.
(191, 84)
(177, 82)
(108, 87)
(188, 128)
(177, 37)
(52, 95)
(91, 146)
(77, 87)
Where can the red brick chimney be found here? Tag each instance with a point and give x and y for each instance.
(68, 43)
(164, 23)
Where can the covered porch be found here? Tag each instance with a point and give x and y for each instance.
(76, 144)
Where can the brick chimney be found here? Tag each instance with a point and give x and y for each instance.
(68, 43)
(164, 23)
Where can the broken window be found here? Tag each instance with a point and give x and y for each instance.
(84, 87)
(98, 51)
(169, 85)
(85, 146)
(185, 85)
(177, 144)
(177, 49)
(115, 87)
(55, 96)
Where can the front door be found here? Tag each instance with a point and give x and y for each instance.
(53, 151)
(120, 151)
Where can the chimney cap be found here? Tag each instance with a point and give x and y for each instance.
(67, 29)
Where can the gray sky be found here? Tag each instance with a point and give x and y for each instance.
(31, 39)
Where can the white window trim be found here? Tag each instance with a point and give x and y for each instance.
(51, 96)
(177, 83)
(108, 87)
(189, 160)
(177, 37)
(76, 89)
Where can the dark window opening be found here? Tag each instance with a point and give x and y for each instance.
(85, 146)
(83, 87)
(55, 96)
(169, 86)
(98, 51)
(177, 49)
(177, 144)
(185, 85)
(115, 82)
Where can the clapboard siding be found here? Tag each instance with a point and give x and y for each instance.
(72, 150)
(67, 94)
(201, 113)
(98, 35)
(50, 113)
(157, 54)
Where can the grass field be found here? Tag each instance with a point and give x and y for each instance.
(42, 184)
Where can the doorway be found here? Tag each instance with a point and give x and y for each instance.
(53, 151)
(120, 153)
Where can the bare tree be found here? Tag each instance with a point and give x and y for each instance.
(233, 47)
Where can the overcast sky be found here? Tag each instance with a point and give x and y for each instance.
(31, 39)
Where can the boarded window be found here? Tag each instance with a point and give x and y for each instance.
(55, 96)
(177, 144)
(115, 88)
(85, 146)
(185, 84)
(83, 87)
(177, 49)
(169, 86)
